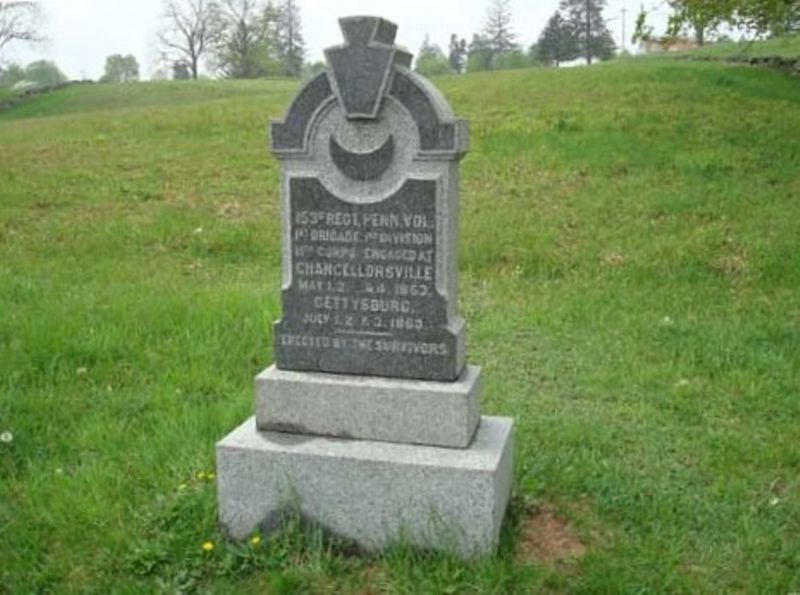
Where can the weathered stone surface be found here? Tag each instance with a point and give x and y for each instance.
(369, 407)
(362, 67)
(370, 217)
(373, 493)
(369, 423)
(361, 302)
(290, 135)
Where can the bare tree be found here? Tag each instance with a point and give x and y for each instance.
(190, 31)
(19, 22)
(246, 47)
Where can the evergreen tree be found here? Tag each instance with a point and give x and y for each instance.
(458, 53)
(585, 17)
(431, 60)
(534, 56)
(291, 47)
(512, 60)
(558, 42)
(497, 29)
(480, 54)
(270, 22)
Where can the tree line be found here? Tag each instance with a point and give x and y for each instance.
(231, 38)
(235, 38)
(263, 38)
(576, 30)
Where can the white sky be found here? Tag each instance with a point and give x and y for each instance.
(83, 32)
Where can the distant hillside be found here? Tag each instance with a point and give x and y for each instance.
(76, 99)
(781, 52)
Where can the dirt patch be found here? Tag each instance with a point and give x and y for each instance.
(614, 259)
(548, 539)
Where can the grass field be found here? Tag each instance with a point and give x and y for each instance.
(5, 94)
(630, 275)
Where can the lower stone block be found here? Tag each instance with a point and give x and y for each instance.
(372, 493)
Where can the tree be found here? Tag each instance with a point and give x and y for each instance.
(585, 17)
(458, 53)
(246, 48)
(557, 42)
(44, 73)
(497, 29)
(120, 69)
(312, 69)
(641, 30)
(431, 60)
(191, 28)
(701, 17)
(790, 23)
(291, 47)
(760, 16)
(41, 73)
(513, 60)
(19, 22)
(535, 57)
(11, 75)
(480, 54)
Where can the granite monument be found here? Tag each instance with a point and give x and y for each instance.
(370, 419)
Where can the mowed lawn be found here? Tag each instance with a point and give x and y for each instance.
(630, 275)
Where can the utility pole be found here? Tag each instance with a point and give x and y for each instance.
(624, 10)
(588, 32)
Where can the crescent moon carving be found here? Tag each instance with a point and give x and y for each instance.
(363, 166)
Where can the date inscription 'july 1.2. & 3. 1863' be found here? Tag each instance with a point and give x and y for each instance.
(363, 297)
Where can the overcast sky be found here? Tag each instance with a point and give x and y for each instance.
(83, 32)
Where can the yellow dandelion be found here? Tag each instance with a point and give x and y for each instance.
(208, 546)
(210, 476)
(201, 475)
(255, 540)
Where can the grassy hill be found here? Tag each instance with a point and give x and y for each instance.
(630, 275)
(786, 47)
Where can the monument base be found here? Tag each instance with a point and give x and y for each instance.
(371, 493)
(369, 407)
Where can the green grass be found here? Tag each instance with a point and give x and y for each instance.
(630, 274)
(785, 47)
(6, 93)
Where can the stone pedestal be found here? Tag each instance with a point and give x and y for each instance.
(372, 493)
(369, 422)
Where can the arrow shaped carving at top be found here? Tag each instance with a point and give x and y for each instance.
(361, 68)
